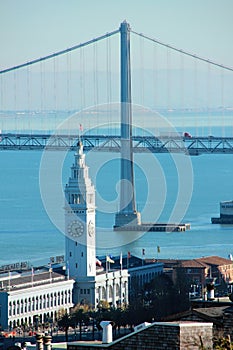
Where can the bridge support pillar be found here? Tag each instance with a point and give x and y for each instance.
(127, 214)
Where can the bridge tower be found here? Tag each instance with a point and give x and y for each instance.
(127, 214)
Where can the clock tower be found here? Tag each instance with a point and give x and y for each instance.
(80, 245)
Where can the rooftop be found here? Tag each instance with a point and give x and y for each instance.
(26, 279)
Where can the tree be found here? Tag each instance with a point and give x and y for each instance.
(80, 315)
(103, 305)
(65, 322)
(159, 298)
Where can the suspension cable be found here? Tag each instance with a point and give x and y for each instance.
(183, 52)
(59, 52)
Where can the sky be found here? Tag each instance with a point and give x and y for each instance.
(34, 28)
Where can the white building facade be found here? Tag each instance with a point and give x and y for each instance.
(27, 299)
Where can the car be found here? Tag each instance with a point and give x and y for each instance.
(187, 134)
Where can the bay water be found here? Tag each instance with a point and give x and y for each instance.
(27, 232)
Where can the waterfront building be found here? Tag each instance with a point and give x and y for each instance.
(141, 271)
(33, 296)
(92, 284)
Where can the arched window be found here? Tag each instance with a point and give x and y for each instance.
(10, 308)
(103, 293)
(37, 303)
(110, 292)
(117, 290)
(17, 310)
(33, 304)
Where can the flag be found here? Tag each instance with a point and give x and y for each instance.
(129, 255)
(108, 259)
(158, 249)
(121, 259)
(98, 262)
(143, 251)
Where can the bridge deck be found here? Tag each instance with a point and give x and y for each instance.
(112, 143)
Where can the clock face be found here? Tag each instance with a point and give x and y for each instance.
(76, 228)
(91, 228)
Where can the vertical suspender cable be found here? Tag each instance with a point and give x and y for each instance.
(80, 81)
(1, 103)
(109, 85)
(182, 89)
(84, 81)
(2, 94)
(97, 73)
(209, 124)
(168, 80)
(141, 71)
(155, 86)
(107, 80)
(15, 93)
(55, 106)
(142, 83)
(42, 95)
(29, 100)
(15, 108)
(195, 98)
(68, 79)
(155, 76)
(94, 75)
(222, 103)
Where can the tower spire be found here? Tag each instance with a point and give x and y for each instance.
(80, 219)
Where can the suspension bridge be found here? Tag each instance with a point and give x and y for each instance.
(117, 120)
(34, 93)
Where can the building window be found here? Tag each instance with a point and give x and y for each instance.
(70, 254)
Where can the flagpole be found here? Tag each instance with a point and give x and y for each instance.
(68, 270)
(106, 264)
(32, 275)
(50, 272)
(9, 281)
